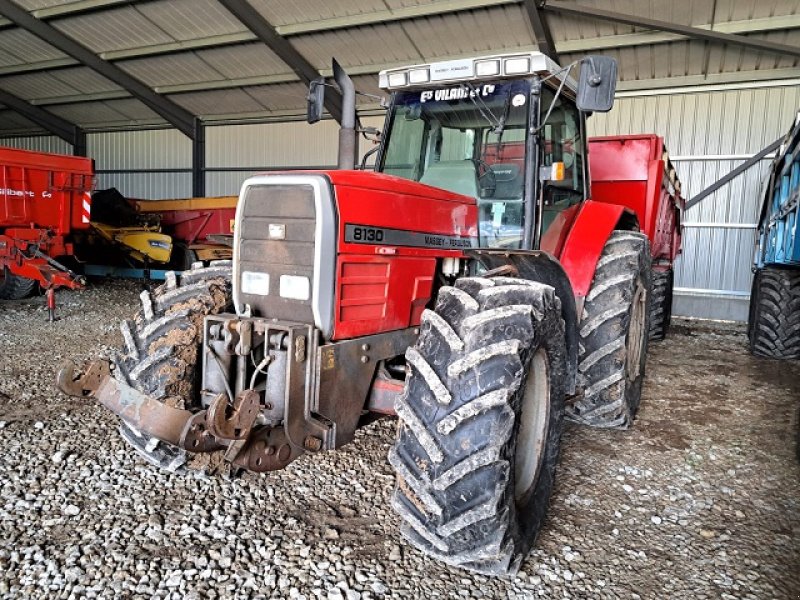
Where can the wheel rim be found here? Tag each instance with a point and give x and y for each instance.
(636, 333)
(533, 423)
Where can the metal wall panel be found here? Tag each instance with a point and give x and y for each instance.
(38, 143)
(150, 149)
(708, 134)
(270, 146)
(148, 186)
(152, 164)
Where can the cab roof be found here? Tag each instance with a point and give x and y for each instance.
(495, 66)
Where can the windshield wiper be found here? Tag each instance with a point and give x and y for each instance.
(498, 124)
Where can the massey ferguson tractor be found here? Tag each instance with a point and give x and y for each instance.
(470, 286)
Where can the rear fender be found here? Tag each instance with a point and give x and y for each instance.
(587, 237)
(537, 265)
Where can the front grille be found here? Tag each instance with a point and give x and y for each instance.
(291, 206)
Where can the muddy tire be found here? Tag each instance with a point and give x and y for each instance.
(775, 314)
(480, 423)
(14, 287)
(661, 303)
(162, 344)
(614, 331)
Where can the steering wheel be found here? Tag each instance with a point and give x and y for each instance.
(487, 180)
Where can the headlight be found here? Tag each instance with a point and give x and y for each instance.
(295, 287)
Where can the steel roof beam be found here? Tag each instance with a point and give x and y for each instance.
(580, 10)
(67, 131)
(766, 24)
(176, 115)
(266, 33)
(541, 29)
(73, 8)
(642, 38)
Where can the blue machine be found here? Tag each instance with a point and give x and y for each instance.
(774, 323)
(779, 225)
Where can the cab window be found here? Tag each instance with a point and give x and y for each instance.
(562, 142)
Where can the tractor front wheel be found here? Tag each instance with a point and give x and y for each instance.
(14, 287)
(614, 331)
(162, 347)
(480, 423)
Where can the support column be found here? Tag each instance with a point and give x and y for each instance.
(199, 160)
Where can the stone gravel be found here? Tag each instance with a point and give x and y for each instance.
(700, 500)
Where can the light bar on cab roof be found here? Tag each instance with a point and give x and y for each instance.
(470, 69)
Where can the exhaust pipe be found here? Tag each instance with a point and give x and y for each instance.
(348, 142)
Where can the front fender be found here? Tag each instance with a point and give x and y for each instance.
(585, 241)
(537, 265)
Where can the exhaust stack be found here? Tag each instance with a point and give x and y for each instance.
(348, 142)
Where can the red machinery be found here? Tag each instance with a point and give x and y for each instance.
(44, 199)
(477, 294)
(635, 171)
(201, 228)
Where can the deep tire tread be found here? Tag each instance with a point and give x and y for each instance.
(161, 342)
(661, 303)
(608, 398)
(454, 454)
(775, 314)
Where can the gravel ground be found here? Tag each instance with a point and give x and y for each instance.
(700, 500)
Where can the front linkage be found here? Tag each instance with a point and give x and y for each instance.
(257, 392)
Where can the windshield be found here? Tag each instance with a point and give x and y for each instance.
(469, 139)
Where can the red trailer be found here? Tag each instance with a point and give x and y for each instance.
(44, 199)
(635, 171)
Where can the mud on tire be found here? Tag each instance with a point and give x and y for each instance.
(613, 334)
(162, 343)
(774, 326)
(490, 348)
(661, 303)
(14, 287)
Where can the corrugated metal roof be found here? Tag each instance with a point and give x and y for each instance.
(115, 29)
(288, 12)
(26, 46)
(281, 96)
(244, 60)
(89, 114)
(37, 86)
(190, 19)
(198, 48)
(218, 102)
(185, 67)
(12, 121)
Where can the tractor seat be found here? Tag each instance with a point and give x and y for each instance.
(457, 176)
(509, 181)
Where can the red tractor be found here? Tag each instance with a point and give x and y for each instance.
(44, 201)
(477, 296)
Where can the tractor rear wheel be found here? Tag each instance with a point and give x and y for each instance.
(614, 331)
(661, 303)
(14, 287)
(775, 314)
(480, 423)
(162, 347)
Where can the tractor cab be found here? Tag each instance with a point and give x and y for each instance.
(505, 130)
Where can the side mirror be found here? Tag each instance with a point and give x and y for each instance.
(316, 100)
(597, 84)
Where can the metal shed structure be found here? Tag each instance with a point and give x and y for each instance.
(188, 97)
